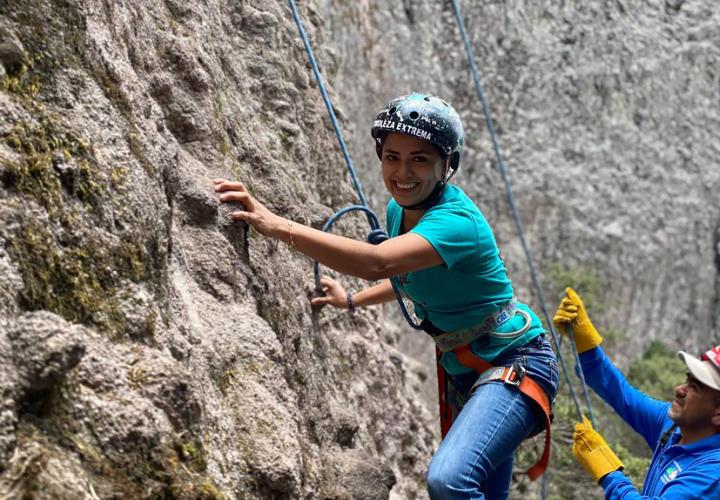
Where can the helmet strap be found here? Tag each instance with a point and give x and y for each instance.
(430, 200)
(453, 167)
(434, 196)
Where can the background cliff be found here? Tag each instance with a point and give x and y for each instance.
(152, 349)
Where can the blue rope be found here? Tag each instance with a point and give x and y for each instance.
(580, 374)
(403, 309)
(331, 112)
(511, 199)
(377, 235)
(372, 237)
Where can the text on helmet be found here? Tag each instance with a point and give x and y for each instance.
(403, 128)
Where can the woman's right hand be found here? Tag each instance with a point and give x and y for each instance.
(335, 294)
(256, 214)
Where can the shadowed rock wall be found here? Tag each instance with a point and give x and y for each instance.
(149, 348)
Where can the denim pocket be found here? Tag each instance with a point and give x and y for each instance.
(539, 361)
(531, 347)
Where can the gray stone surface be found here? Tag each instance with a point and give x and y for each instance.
(204, 373)
(150, 348)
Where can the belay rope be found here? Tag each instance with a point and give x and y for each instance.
(377, 235)
(513, 207)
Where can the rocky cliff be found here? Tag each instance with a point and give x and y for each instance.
(152, 349)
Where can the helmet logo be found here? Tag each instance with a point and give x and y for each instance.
(403, 128)
(713, 355)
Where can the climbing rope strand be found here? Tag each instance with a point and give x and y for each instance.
(328, 225)
(377, 235)
(581, 375)
(403, 309)
(511, 199)
(331, 111)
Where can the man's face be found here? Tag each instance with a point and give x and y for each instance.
(695, 405)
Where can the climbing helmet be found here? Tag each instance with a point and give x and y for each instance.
(424, 116)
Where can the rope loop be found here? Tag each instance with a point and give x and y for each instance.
(377, 236)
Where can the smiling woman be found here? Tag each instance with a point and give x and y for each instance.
(443, 256)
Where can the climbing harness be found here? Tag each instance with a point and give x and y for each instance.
(449, 341)
(513, 375)
(517, 333)
(450, 402)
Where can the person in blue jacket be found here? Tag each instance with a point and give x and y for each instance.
(684, 433)
(442, 255)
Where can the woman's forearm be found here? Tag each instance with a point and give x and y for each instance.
(406, 253)
(403, 254)
(378, 294)
(345, 255)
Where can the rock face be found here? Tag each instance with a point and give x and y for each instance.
(200, 370)
(151, 348)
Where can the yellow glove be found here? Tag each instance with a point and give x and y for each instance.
(571, 311)
(591, 450)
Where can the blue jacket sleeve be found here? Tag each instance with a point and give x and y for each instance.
(688, 485)
(645, 415)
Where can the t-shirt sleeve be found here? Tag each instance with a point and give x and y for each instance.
(452, 232)
(390, 215)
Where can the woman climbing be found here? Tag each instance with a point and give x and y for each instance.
(442, 255)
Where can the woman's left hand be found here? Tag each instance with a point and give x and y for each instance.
(256, 214)
(335, 294)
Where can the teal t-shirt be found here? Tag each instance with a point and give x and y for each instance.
(472, 282)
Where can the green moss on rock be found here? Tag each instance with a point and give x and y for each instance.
(43, 149)
(144, 471)
(136, 149)
(21, 82)
(79, 281)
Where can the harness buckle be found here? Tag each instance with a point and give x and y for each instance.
(516, 369)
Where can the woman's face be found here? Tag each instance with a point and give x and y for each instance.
(411, 168)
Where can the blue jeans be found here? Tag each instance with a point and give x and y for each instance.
(475, 460)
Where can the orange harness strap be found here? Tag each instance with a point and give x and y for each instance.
(526, 385)
(446, 413)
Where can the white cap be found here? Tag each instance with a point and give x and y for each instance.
(707, 369)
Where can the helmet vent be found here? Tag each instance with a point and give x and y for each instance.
(392, 110)
(427, 98)
(414, 115)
